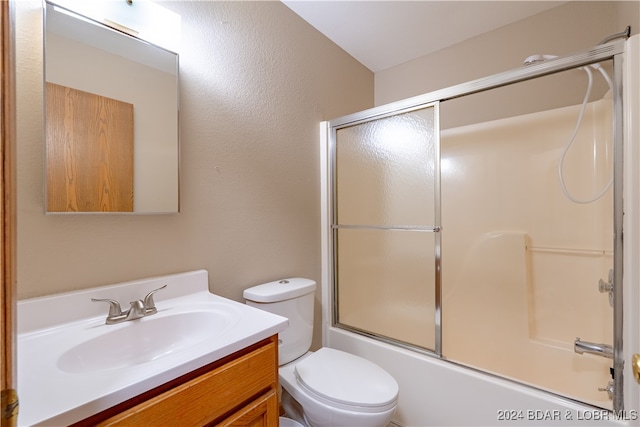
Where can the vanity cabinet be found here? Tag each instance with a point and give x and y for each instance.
(239, 390)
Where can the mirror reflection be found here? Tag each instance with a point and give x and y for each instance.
(111, 119)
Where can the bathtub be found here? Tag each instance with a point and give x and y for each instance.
(436, 392)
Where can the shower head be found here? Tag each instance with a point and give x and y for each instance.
(534, 59)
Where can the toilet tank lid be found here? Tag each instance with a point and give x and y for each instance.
(280, 290)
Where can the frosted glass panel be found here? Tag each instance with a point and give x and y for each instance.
(386, 283)
(385, 170)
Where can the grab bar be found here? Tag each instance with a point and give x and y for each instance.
(570, 251)
(582, 347)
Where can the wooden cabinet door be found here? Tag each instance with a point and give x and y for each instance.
(8, 380)
(262, 412)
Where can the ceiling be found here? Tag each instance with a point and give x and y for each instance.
(382, 34)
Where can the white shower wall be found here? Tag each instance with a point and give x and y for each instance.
(521, 262)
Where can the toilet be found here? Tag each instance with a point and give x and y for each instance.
(327, 387)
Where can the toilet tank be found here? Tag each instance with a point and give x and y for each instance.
(292, 298)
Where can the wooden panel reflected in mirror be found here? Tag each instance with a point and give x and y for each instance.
(89, 152)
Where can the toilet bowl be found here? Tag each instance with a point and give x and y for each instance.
(333, 388)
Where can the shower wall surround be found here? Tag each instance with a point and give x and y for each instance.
(522, 272)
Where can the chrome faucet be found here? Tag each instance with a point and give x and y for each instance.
(603, 350)
(139, 308)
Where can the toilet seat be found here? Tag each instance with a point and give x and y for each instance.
(347, 381)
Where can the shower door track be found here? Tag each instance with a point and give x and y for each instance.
(551, 66)
(609, 51)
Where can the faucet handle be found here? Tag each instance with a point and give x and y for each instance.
(149, 304)
(114, 306)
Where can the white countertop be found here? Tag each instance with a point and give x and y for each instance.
(48, 327)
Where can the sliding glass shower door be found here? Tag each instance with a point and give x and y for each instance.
(528, 219)
(484, 225)
(385, 226)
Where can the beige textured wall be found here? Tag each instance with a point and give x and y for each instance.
(565, 29)
(256, 80)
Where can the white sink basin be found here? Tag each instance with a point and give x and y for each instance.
(72, 365)
(144, 340)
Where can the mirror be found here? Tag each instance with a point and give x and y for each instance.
(111, 118)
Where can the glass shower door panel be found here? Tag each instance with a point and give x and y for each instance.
(386, 284)
(384, 221)
(386, 169)
(521, 261)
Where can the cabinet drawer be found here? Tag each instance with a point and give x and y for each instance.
(208, 397)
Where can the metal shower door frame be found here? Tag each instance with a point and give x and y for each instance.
(609, 51)
(435, 228)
